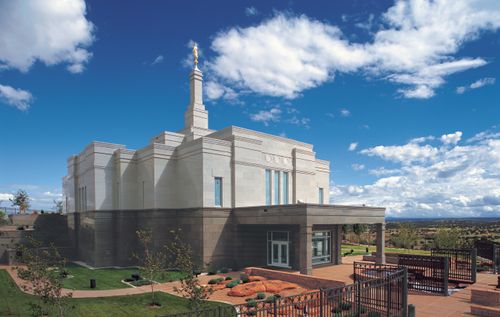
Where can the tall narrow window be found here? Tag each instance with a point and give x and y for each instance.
(268, 187)
(218, 191)
(276, 187)
(284, 186)
(321, 196)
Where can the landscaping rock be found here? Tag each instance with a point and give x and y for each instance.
(256, 278)
(247, 289)
(276, 286)
(251, 288)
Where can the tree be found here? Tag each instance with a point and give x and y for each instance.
(3, 217)
(152, 262)
(44, 269)
(345, 230)
(447, 239)
(358, 230)
(21, 199)
(407, 235)
(181, 257)
(58, 206)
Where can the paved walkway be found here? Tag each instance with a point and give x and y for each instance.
(457, 304)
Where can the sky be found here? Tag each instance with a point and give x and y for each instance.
(400, 96)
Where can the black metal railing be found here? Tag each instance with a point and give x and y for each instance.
(490, 251)
(384, 296)
(462, 264)
(426, 274)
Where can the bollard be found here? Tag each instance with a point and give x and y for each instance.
(411, 310)
(92, 283)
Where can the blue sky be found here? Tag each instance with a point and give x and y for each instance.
(400, 96)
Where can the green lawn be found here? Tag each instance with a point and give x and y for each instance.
(107, 278)
(13, 302)
(361, 250)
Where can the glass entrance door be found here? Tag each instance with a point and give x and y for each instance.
(279, 253)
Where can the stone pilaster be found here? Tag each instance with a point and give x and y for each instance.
(305, 249)
(380, 258)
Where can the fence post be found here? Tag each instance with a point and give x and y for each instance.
(321, 302)
(275, 306)
(389, 296)
(405, 292)
(357, 293)
(446, 273)
(411, 311)
(474, 265)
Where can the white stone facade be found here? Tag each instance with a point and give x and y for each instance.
(178, 170)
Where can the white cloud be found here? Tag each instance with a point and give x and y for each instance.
(52, 32)
(215, 90)
(251, 11)
(345, 112)
(404, 154)
(5, 196)
(418, 92)
(266, 116)
(357, 167)
(452, 180)
(451, 138)
(477, 84)
(353, 146)
(415, 46)
(159, 59)
(302, 121)
(18, 98)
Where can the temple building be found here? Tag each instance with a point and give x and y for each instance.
(241, 197)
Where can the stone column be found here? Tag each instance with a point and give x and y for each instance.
(305, 249)
(380, 258)
(338, 247)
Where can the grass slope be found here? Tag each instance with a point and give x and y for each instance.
(107, 278)
(361, 250)
(13, 302)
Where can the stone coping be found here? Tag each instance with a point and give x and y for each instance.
(307, 281)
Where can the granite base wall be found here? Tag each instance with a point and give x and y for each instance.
(108, 238)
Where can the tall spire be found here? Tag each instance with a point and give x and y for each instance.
(196, 116)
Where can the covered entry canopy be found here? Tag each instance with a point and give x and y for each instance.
(309, 214)
(306, 217)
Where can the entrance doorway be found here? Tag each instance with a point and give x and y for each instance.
(278, 248)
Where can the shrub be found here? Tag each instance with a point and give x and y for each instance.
(228, 278)
(211, 272)
(270, 299)
(244, 278)
(261, 296)
(141, 282)
(251, 303)
(215, 280)
(277, 296)
(248, 299)
(374, 314)
(233, 283)
(224, 270)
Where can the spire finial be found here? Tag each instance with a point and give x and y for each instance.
(195, 55)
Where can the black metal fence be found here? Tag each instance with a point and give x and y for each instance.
(462, 264)
(489, 250)
(383, 296)
(426, 274)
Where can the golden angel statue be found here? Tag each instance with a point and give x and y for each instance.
(195, 54)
